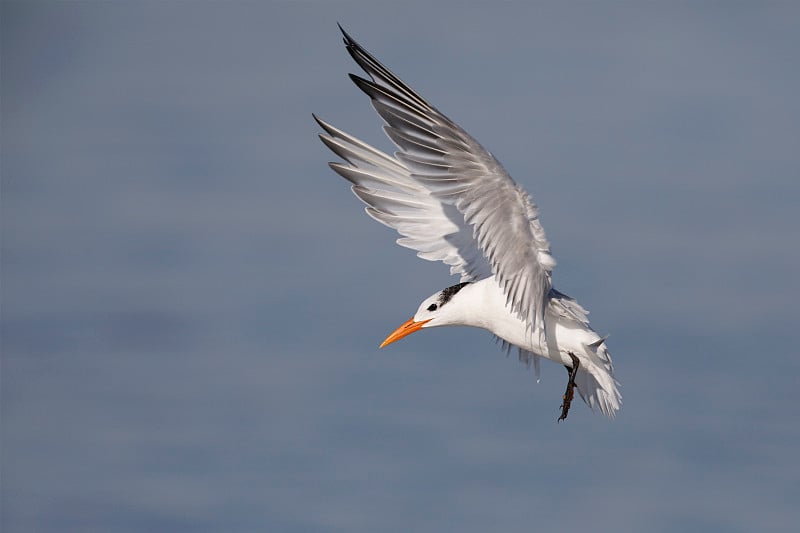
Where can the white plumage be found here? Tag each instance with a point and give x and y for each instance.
(452, 201)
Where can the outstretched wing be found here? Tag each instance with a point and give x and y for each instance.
(446, 194)
(435, 229)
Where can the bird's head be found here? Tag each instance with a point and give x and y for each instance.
(438, 309)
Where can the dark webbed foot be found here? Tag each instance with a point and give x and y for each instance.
(570, 392)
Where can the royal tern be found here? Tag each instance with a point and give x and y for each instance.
(452, 201)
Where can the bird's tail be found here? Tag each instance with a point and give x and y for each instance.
(596, 383)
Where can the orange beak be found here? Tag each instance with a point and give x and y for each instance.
(407, 328)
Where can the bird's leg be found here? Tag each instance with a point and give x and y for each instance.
(570, 392)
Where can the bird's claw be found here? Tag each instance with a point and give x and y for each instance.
(569, 394)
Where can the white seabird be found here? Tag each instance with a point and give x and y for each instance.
(452, 201)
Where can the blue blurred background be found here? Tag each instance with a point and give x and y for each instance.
(192, 301)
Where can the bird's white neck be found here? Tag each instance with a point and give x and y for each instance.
(483, 305)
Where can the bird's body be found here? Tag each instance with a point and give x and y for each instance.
(452, 201)
(482, 304)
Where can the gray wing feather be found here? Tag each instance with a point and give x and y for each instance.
(437, 231)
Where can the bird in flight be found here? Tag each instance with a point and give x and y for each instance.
(452, 201)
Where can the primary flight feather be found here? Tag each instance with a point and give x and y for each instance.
(452, 201)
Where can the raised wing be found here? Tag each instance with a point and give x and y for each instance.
(439, 163)
(436, 230)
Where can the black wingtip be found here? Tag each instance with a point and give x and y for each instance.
(358, 80)
(347, 39)
(318, 120)
(330, 130)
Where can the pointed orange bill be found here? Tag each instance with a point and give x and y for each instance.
(407, 328)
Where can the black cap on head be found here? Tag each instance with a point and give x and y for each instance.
(449, 292)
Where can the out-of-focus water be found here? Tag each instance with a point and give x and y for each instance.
(192, 301)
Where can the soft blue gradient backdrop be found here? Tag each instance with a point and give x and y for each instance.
(192, 301)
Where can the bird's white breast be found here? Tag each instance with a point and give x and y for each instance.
(487, 308)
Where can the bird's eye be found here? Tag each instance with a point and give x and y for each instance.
(432, 307)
